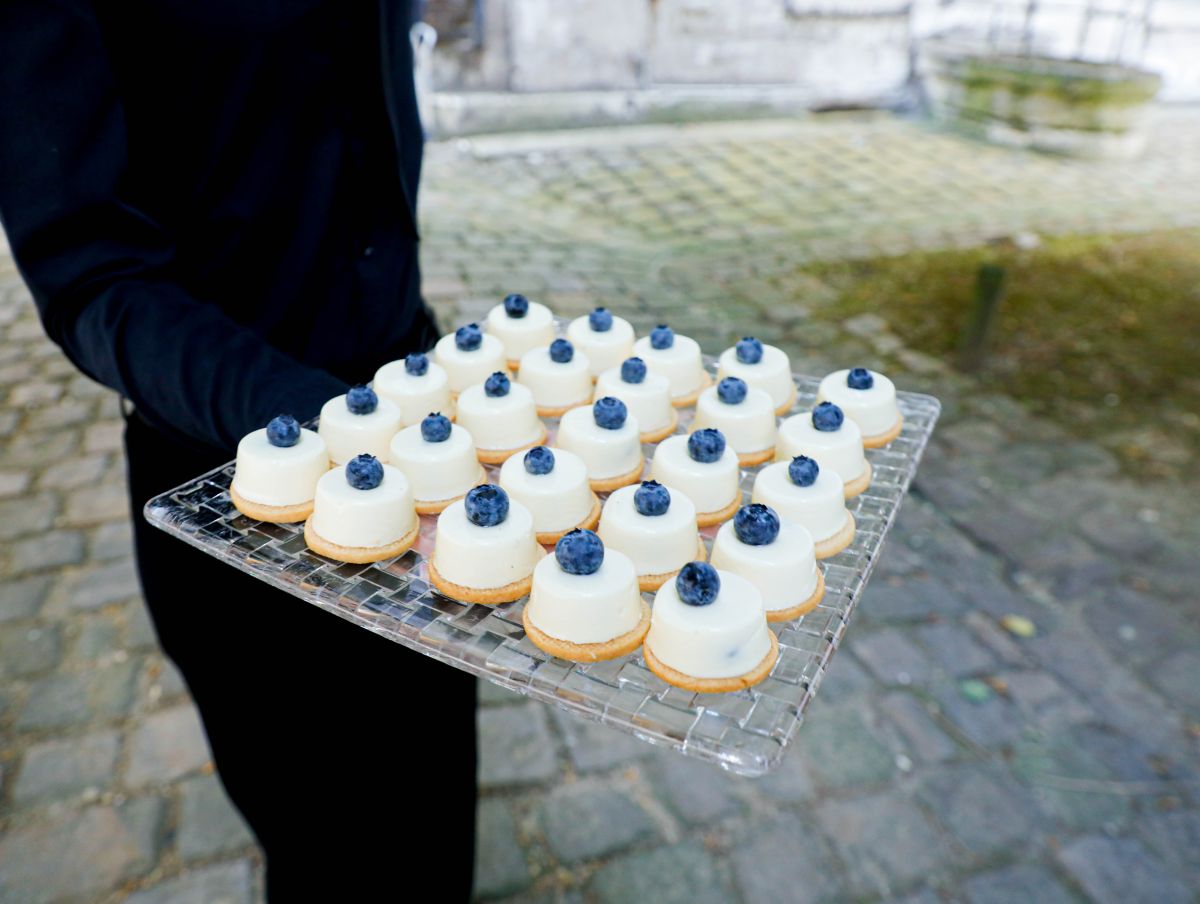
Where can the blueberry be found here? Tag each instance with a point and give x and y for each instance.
(561, 351)
(539, 460)
(600, 320)
(706, 445)
(364, 472)
(827, 417)
(579, 552)
(698, 584)
(609, 413)
(756, 524)
(516, 306)
(803, 471)
(662, 336)
(732, 391)
(651, 498)
(860, 378)
(486, 505)
(497, 385)
(468, 338)
(749, 350)
(435, 428)
(283, 431)
(416, 365)
(633, 370)
(361, 400)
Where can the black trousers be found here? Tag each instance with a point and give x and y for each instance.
(352, 758)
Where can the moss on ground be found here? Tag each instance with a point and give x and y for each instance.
(1101, 333)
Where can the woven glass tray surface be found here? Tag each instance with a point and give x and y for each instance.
(745, 732)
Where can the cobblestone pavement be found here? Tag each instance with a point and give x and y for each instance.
(1015, 715)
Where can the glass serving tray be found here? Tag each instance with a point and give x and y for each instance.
(745, 732)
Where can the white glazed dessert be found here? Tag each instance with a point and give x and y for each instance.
(484, 549)
(469, 356)
(417, 386)
(558, 376)
(605, 340)
(776, 555)
(824, 434)
(704, 468)
(813, 497)
(358, 422)
(744, 415)
(762, 367)
(439, 460)
(655, 527)
(646, 395)
(868, 399)
(606, 438)
(520, 325)
(553, 485)
(363, 512)
(708, 632)
(277, 469)
(678, 359)
(585, 604)
(501, 418)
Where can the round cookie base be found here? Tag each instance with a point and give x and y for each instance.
(879, 440)
(713, 685)
(358, 555)
(783, 409)
(437, 506)
(486, 596)
(549, 538)
(858, 484)
(782, 615)
(708, 519)
(275, 514)
(608, 484)
(651, 582)
(750, 459)
(686, 401)
(561, 409)
(588, 652)
(831, 546)
(662, 433)
(499, 456)
(514, 364)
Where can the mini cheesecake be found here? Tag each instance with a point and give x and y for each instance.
(813, 497)
(833, 442)
(363, 512)
(646, 395)
(358, 422)
(559, 377)
(501, 417)
(605, 340)
(417, 386)
(868, 399)
(703, 468)
(678, 359)
(276, 472)
(553, 485)
(655, 527)
(439, 460)
(745, 417)
(762, 367)
(520, 325)
(607, 440)
(469, 356)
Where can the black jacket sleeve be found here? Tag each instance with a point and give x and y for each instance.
(101, 269)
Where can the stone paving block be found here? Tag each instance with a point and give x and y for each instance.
(892, 657)
(61, 768)
(95, 505)
(590, 820)
(1137, 627)
(491, 694)
(918, 736)
(1022, 882)
(13, 483)
(32, 450)
(139, 629)
(1174, 836)
(23, 597)
(841, 749)
(697, 792)
(911, 599)
(221, 883)
(104, 437)
(1119, 870)
(26, 515)
(1069, 783)
(113, 688)
(515, 745)
(1043, 700)
(110, 541)
(992, 723)
(1175, 678)
(209, 824)
(79, 854)
(593, 746)
(500, 867)
(98, 636)
(41, 552)
(98, 586)
(167, 745)
(846, 678)
(679, 874)
(983, 809)
(954, 649)
(57, 701)
(27, 650)
(788, 783)
(784, 860)
(76, 471)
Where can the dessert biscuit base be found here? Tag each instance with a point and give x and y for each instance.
(714, 685)
(858, 484)
(651, 582)
(783, 409)
(782, 615)
(549, 538)
(437, 506)
(276, 514)
(588, 652)
(358, 555)
(486, 596)
(750, 459)
(686, 401)
(831, 546)
(514, 364)
(608, 484)
(879, 440)
(708, 519)
(662, 433)
(499, 456)
(560, 410)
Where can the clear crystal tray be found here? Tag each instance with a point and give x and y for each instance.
(745, 732)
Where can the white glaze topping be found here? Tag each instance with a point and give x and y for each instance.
(468, 368)
(710, 485)
(585, 608)
(657, 544)
(605, 453)
(363, 518)
(681, 364)
(436, 471)
(277, 475)
(724, 639)
(559, 500)
(555, 385)
(415, 396)
(648, 401)
(838, 450)
(485, 557)
(874, 410)
(347, 434)
(603, 350)
(819, 508)
(748, 426)
(784, 571)
(499, 422)
(773, 373)
(519, 334)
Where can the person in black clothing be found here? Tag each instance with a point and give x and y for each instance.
(213, 205)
